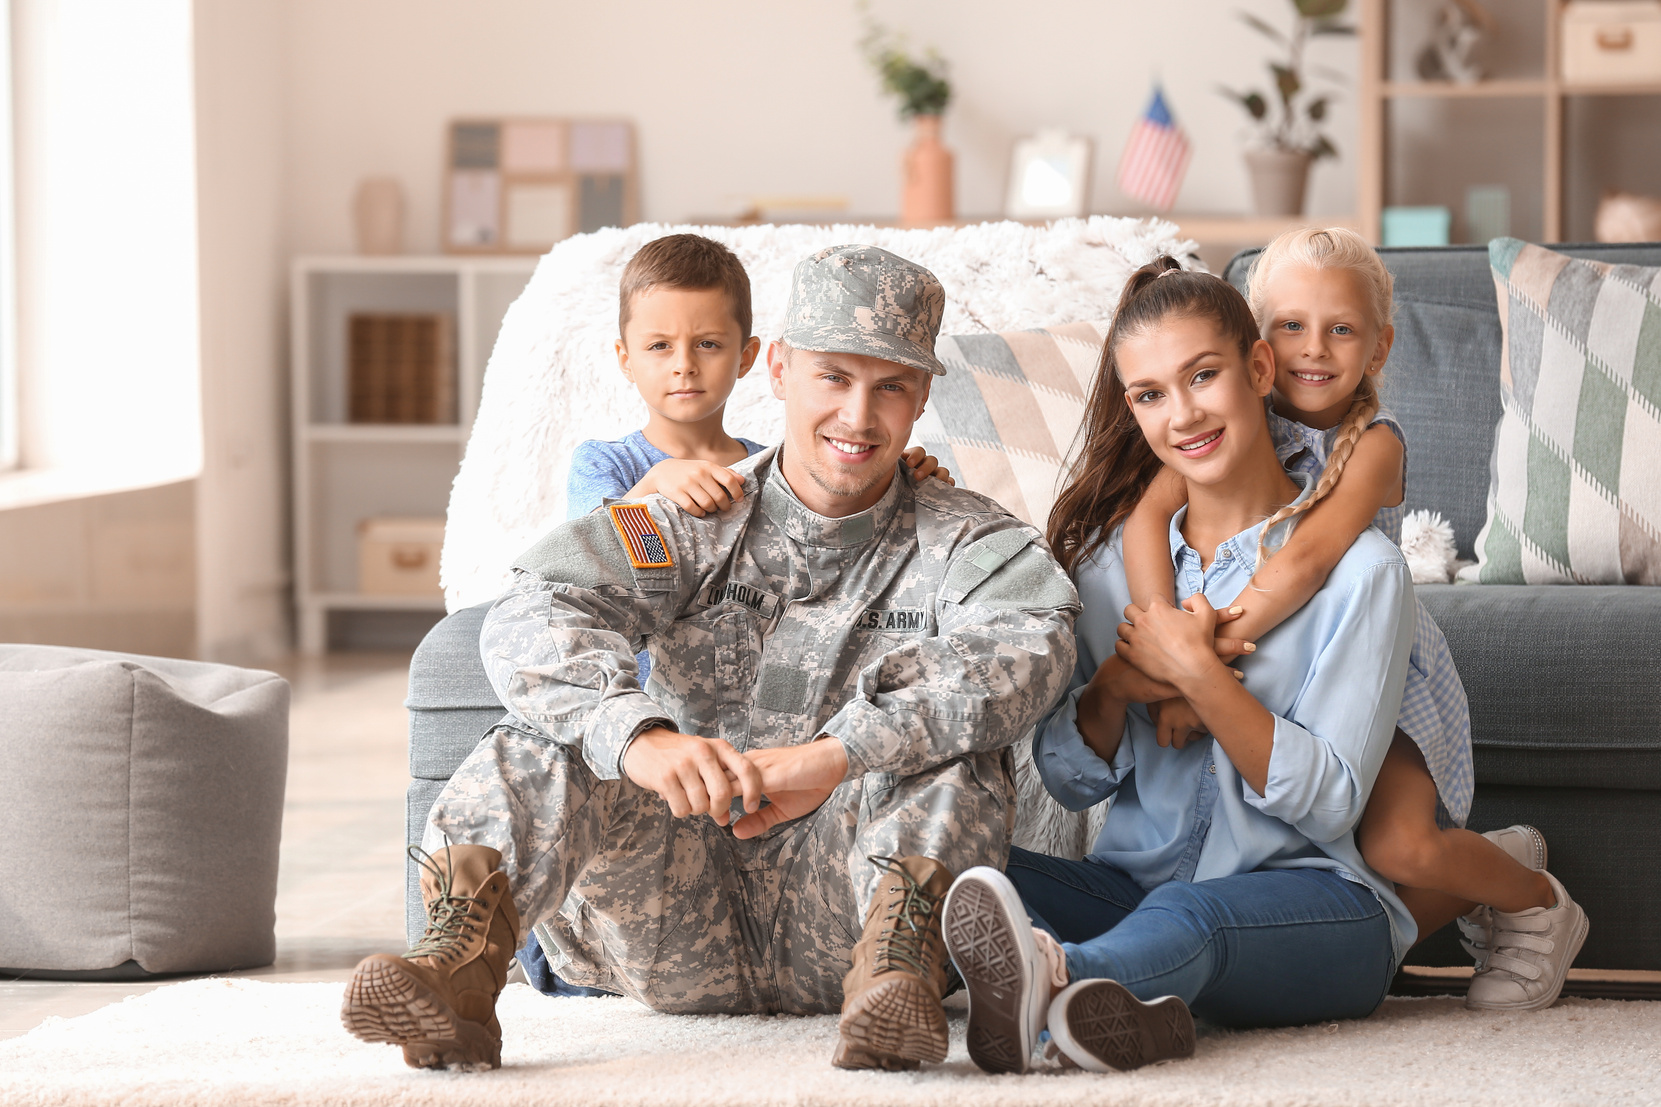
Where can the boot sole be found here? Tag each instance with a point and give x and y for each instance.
(892, 1025)
(384, 1004)
(1101, 1027)
(984, 933)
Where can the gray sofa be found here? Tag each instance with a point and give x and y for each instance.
(1564, 685)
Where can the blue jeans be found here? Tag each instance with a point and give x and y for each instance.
(1275, 947)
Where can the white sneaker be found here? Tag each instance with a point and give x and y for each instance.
(991, 941)
(1529, 956)
(1526, 846)
(1098, 1025)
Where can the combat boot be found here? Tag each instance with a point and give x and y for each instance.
(891, 1012)
(438, 1000)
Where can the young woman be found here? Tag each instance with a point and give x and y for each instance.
(1227, 878)
(1323, 301)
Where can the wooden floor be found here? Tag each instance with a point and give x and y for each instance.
(340, 884)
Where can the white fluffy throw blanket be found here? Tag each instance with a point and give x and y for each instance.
(553, 380)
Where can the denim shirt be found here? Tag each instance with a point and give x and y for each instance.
(1332, 676)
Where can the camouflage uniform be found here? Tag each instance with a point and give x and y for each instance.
(927, 633)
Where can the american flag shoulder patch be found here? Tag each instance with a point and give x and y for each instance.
(647, 549)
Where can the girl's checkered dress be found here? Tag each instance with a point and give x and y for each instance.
(1433, 709)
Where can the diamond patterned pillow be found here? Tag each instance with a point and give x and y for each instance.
(1574, 495)
(1005, 415)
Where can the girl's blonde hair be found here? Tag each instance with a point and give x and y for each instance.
(1332, 248)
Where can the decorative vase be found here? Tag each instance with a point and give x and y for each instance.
(1279, 179)
(927, 197)
(378, 216)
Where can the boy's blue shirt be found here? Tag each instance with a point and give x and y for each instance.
(603, 471)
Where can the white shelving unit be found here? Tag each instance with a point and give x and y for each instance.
(345, 472)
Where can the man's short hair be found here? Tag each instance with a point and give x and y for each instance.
(686, 261)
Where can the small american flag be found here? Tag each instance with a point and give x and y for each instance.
(641, 537)
(1155, 158)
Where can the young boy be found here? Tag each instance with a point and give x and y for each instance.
(684, 322)
(684, 325)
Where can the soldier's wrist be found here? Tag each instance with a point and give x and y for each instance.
(853, 765)
(643, 727)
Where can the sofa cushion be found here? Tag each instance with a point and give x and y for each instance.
(1562, 682)
(451, 703)
(1006, 413)
(1442, 379)
(1574, 493)
(144, 802)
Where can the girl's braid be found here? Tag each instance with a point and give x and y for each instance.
(1363, 406)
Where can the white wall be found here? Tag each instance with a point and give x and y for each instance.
(241, 497)
(106, 237)
(753, 97)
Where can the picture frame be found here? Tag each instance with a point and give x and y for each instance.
(520, 184)
(1049, 176)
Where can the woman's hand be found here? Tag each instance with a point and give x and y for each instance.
(1101, 709)
(1230, 646)
(1175, 723)
(1171, 645)
(1121, 682)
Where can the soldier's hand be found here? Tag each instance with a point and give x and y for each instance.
(695, 776)
(697, 486)
(797, 779)
(924, 464)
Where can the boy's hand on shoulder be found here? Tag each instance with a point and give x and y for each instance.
(699, 487)
(924, 464)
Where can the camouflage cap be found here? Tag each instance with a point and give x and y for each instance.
(865, 300)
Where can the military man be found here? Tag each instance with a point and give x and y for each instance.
(840, 663)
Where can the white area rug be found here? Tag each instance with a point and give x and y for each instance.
(553, 381)
(247, 1042)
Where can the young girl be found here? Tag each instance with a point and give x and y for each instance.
(1322, 299)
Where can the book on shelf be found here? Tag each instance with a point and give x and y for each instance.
(401, 368)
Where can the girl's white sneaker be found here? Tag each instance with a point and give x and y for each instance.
(1529, 955)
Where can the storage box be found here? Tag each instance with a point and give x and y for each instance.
(399, 556)
(1612, 42)
(401, 368)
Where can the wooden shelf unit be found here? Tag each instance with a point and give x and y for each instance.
(1549, 90)
(345, 472)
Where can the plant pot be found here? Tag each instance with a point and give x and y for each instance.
(1279, 180)
(926, 199)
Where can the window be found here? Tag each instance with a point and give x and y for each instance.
(8, 300)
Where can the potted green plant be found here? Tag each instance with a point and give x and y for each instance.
(1289, 132)
(921, 86)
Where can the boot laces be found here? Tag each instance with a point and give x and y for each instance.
(449, 916)
(905, 941)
